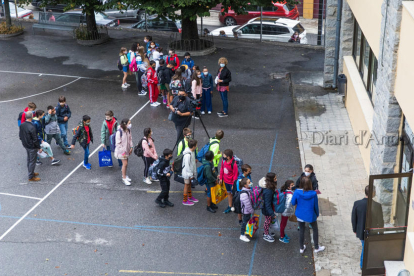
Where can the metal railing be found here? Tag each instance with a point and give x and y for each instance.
(203, 43)
(82, 33)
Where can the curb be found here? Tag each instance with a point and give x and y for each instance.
(4, 36)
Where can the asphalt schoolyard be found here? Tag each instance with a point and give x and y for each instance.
(79, 222)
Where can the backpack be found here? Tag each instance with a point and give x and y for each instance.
(176, 85)
(120, 67)
(178, 164)
(237, 202)
(19, 119)
(160, 78)
(138, 150)
(133, 65)
(112, 139)
(279, 201)
(144, 80)
(201, 178)
(257, 198)
(74, 130)
(204, 150)
(239, 163)
(153, 169)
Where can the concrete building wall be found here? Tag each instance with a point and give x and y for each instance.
(330, 34)
(347, 34)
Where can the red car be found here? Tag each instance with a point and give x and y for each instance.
(278, 10)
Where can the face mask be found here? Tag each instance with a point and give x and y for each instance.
(62, 104)
(181, 97)
(189, 136)
(205, 73)
(145, 40)
(199, 76)
(222, 64)
(87, 124)
(307, 173)
(108, 120)
(152, 46)
(187, 59)
(129, 126)
(250, 184)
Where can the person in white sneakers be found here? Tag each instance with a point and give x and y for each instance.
(307, 210)
(123, 148)
(246, 206)
(150, 154)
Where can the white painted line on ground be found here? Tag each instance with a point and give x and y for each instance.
(43, 74)
(20, 196)
(37, 94)
(59, 184)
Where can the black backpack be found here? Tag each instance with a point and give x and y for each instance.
(19, 119)
(178, 164)
(120, 67)
(138, 150)
(237, 202)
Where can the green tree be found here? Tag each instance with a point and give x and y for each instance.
(7, 13)
(190, 9)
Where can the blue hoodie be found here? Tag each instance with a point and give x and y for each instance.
(189, 63)
(307, 208)
(239, 178)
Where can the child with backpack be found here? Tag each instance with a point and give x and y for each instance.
(210, 173)
(63, 114)
(287, 189)
(183, 144)
(84, 135)
(109, 127)
(52, 129)
(189, 171)
(228, 173)
(38, 122)
(246, 171)
(22, 116)
(188, 60)
(164, 172)
(124, 62)
(246, 206)
(149, 154)
(269, 185)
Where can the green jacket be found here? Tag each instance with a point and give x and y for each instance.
(82, 136)
(210, 173)
(215, 149)
(182, 145)
(105, 132)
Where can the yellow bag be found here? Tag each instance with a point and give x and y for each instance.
(218, 193)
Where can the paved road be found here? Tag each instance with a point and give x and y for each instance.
(92, 224)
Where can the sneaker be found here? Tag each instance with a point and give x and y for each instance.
(38, 163)
(160, 203)
(154, 105)
(127, 178)
(67, 146)
(110, 166)
(196, 117)
(228, 210)
(167, 106)
(164, 101)
(287, 237)
(192, 199)
(272, 234)
(87, 166)
(54, 162)
(188, 203)
(202, 113)
(213, 206)
(142, 93)
(126, 182)
(222, 115)
(302, 250)
(268, 238)
(148, 181)
(154, 180)
(244, 238)
(157, 103)
(221, 112)
(124, 85)
(66, 152)
(320, 249)
(168, 203)
(33, 179)
(127, 84)
(209, 112)
(284, 240)
(211, 210)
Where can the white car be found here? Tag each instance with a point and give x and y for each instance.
(273, 29)
(21, 13)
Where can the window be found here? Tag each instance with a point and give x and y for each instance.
(251, 29)
(286, 8)
(365, 61)
(298, 28)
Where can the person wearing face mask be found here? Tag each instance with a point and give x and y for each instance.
(196, 85)
(207, 94)
(308, 173)
(52, 129)
(223, 81)
(172, 56)
(150, 154)
(210, 173)
(148, 40)
(183, 144)
(164, 173)
(109, 127)
(152, 80)
(123, 147)
(125, 66)
(182, 111)
(63, 114)
(85, 137)
(228, 174)
(151, 50)
(188, 60)
(269, 185)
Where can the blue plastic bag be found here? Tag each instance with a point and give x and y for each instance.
(105, 158)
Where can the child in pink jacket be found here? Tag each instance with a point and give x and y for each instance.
(228, 173)
(150, 153)
(196, 84)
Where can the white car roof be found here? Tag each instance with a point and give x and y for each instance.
(275, 20)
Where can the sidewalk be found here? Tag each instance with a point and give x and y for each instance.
(339, 169)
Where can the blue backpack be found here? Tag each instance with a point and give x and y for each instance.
(202, 180)
(112, 139)
(204, 150)
(279, 201)
(153, 169)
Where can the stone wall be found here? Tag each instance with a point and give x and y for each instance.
(387, 112)
(330, 34)
(347, 33)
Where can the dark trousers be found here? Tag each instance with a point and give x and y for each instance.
(147, 162)
(206, 100)
(302, 233)
(138, 76)
(57, 139)
(165, 189)
(245, 220)
(31, 161)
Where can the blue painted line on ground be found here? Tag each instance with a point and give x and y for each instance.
(189, 228)
(121, 227)
(273, 152)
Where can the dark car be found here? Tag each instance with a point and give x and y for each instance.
(56, 5)
(159, 24)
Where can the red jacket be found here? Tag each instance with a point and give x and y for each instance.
(175, 58)
(152, 76)
(229, 173)
(24, 115)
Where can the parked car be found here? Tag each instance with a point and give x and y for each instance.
(159, 23)
(273, 29)
(127, 13)
(57, 6)
(21, 13)
(76, 16)
(281, 10)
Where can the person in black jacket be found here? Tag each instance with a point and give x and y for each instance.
(359, 215)
(223, 81)
(165, 74)
(164, 171)
(269, 185)
(63, 114)
(210, 173)
(28, 136)
(308, 173)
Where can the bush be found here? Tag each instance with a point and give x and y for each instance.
(12, 30)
